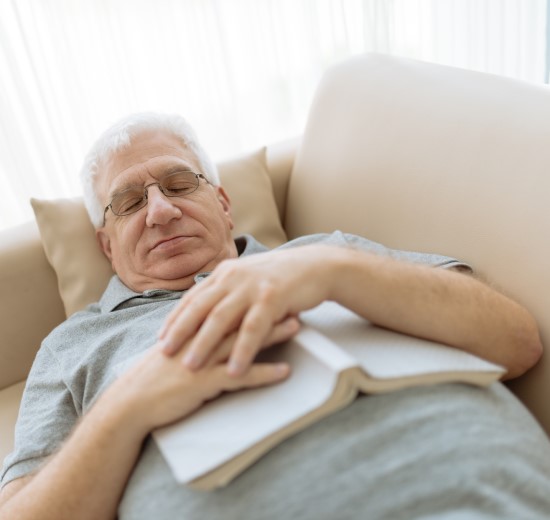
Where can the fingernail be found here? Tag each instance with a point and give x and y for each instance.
(282, 369)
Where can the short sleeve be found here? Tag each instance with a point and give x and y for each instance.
(337, 238)
(46, 417)
(434, 260)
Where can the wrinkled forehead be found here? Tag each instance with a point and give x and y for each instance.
(149, 155)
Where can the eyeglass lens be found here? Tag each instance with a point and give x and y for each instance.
(177, 184)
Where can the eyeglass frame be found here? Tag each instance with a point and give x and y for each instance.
(145, 188)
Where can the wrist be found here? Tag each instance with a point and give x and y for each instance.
(119, 411)
(346, 269)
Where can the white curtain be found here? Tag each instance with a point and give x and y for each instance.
(243, 72)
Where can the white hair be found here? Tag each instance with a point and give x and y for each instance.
(119, 137)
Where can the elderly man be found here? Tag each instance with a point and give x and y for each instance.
(83, 448)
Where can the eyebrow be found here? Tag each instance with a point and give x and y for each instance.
(165, 171)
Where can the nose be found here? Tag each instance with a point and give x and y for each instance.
(160, 208)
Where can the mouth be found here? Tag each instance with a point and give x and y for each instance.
(168, 243)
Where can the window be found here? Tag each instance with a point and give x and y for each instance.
(243, 72)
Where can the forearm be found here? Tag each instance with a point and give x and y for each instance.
(86, 478)
(437, 304)
(259, 291)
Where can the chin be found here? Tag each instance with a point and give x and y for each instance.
(174, 280)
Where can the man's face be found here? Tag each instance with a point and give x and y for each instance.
(171, 239)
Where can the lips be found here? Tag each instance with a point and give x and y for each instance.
(166, 243)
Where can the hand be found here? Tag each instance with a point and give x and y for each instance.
(251, 295)
(159, 390)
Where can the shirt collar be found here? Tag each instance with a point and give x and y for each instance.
(117, 293)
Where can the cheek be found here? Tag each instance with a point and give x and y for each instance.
(219, 217)
(124, 246)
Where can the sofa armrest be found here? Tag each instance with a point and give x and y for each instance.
(30, 306)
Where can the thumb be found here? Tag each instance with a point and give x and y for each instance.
(259, 374)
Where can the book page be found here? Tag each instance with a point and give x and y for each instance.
(225, 427)
(385, 354)
(324, 349)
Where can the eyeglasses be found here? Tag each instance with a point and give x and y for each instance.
(177, 184)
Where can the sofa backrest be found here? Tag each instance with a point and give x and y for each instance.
(431, 158)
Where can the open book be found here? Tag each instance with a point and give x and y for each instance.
(335, 356)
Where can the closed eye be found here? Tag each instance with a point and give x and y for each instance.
(180, 183)
(128, 201)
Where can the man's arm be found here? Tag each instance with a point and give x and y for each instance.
(253, 293)
(86, 478)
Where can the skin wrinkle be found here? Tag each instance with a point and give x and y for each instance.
(166, 171)
(202, 219)
(86, 477)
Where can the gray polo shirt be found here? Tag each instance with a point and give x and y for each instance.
(361, 461)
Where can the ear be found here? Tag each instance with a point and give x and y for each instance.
(104, 243)
(225, 202)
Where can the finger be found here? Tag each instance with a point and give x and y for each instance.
(161, 334)
(222, 352)
(282, 331)
(170, 347)
(223, 319)
(179, 308)
(187, 318)
(253, 332)
(260, 374)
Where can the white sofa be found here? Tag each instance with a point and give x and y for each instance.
(414, 155)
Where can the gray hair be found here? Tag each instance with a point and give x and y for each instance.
(119, 136)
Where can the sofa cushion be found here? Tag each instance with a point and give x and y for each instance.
(82, 271)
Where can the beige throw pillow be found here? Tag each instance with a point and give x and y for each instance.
(83, 271)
